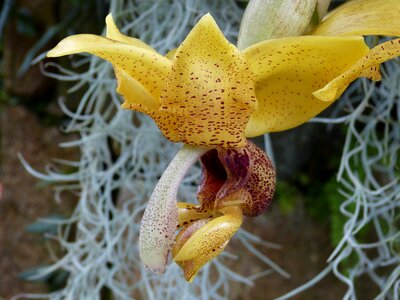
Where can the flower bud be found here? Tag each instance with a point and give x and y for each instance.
(269, 19)
(322, 8)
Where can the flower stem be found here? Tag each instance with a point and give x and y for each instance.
(160, 218)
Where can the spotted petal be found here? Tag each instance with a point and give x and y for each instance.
(289, 70)
(189, 213)
(136, 96)
(209, 95)
(191, 267)
(160, 218)
(211, 236)
(147, 67)
(362, 17)
(242, 177)
(114, 33)
(362, 67)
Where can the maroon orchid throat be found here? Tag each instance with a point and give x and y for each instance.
(242, 177)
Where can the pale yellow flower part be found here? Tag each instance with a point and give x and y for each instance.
(147, 67)
(114, 34)
(362, 17)
(289, 70)
(211, 235)
(204, 239)
(376, 56)
(208, 93)
(205, 96)
(136, 96)
(292, 78)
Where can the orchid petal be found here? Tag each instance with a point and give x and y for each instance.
(242, 177)
(171, 54)
(136, 96)
(212, 235)
(261, 183)
(189, 213)
(191, 267)
(160, 218)
(271, 19)
(322, 8)
(362, 17)
(114, 34)
(186, 233)
(289, 70)
(209, 95)
(147, 67)
(363, 67)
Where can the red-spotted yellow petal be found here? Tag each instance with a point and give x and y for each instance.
(147, 67)
(189, 213)
(114, 33)
(171, 54)
(289, 70)
(209, 95)
(363, 67)
(191, 267)
(362, 17)
(136, 96)
(186, 233)
(212, 235)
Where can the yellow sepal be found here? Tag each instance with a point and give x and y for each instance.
(362, 17)
(209, 95)
(147, 67)
(366, 67)
(136, 96)
(114, 34)
(289, 70)
(211, 236)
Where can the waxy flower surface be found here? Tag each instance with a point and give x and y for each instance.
(210, 95)
(235, 183)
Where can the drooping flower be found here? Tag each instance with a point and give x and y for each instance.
(235, 183)
(208, 93)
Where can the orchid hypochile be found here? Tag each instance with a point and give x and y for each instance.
(212, 97)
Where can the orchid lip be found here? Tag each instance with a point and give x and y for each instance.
(244, 175)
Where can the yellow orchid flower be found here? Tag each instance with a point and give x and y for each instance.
(207, 93)
(211, 94)
(235, 183)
